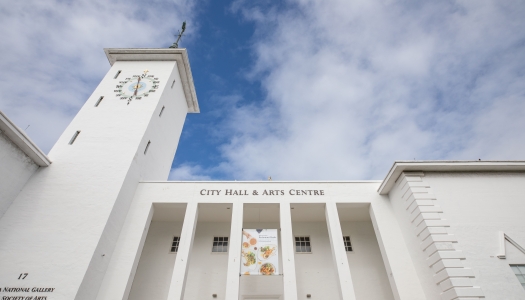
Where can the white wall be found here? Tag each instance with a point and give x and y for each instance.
(15, 170)
(207, 270)
(167, 193)
(164, 133)
(366, 264)
(478, 205)
(155, 268)
(465, 212)
(315, 271)
(419, 257)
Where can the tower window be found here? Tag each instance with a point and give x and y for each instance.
(302, 244)
(348, 244)
(519, 270)
(147, 146)
(161, 111)
(175, 244)
(220, 244)
(118, 73)
(99, 100)
(173, 83)
(74, 137)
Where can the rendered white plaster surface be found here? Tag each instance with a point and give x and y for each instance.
(401, 271)
(122, 268)
(514, 256)
(207, 270)
(156, 262)
(418, 257)
(369, 275)
(478, 206)
(316, 274)
(15, 170)
(390, 250)
(73, 210)
(401, 265)
(261, 212)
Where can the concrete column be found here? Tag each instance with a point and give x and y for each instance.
(287, 246)
(402, 275)
(126, 256)
(346, 287)
(234, 253)
(180, 270)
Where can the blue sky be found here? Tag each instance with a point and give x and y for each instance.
(297, 89)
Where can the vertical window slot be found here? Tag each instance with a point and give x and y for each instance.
(74, 137)
(118, 73)
(161, 111)
(99, 100)
(173, 83)
(147, 146)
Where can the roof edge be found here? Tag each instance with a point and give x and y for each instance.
(19, 138)
(446, 166)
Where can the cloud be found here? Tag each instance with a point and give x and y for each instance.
(350, 86)
(188, 172)
(52, 53)
(353, 86)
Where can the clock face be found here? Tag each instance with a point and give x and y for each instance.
(137, 87)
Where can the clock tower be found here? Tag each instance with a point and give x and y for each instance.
(62, 228)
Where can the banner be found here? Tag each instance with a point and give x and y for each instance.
(259, 252)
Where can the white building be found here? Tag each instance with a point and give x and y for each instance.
(95, 219)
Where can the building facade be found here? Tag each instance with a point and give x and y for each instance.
(96, 218)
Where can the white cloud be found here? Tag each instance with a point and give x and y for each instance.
(354, 85)
(187, 172)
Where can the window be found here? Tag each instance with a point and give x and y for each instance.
(74, 137)
(348, 245)
(220, 244)
(118, 73)
(161, 111)
(175, 244)
(519, 270)
(173, 83)
(302, 244)
(99, 100)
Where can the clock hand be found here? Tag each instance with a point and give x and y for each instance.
(137, 87)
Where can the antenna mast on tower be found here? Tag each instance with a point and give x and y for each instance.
(181, 32)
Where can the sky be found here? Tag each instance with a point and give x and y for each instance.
(292, 89)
